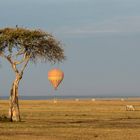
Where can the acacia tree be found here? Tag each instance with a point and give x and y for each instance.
(19, 46)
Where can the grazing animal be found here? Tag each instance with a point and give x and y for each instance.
(93, 99)
(130, 108)
(54, 101)
(77, 99)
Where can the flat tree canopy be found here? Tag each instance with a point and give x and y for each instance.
(35, 43)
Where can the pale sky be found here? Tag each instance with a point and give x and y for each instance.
(101, 40)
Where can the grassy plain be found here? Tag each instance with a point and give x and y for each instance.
(72, 120)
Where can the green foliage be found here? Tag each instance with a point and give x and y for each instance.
(35, 43)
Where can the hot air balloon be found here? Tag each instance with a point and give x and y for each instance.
(55, 76)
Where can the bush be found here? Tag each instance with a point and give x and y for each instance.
(4, 118)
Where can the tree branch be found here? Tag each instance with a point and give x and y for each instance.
(13, 65)
(20, 62)
(24, 66)
(11, 62)
(20, 52)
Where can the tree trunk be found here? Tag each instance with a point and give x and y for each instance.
(14, 112)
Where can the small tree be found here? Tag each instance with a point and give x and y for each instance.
(19, 46)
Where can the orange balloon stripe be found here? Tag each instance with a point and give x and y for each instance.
(55, 78)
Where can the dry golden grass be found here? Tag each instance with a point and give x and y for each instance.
(72, 120)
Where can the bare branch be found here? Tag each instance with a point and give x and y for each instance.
(20, 52)
(13, 65)
(10, 61)
(26, 62)
(3, 55)
(23, 59)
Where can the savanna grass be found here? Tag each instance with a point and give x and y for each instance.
(72, 120)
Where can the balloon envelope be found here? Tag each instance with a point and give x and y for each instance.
(55, 76)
